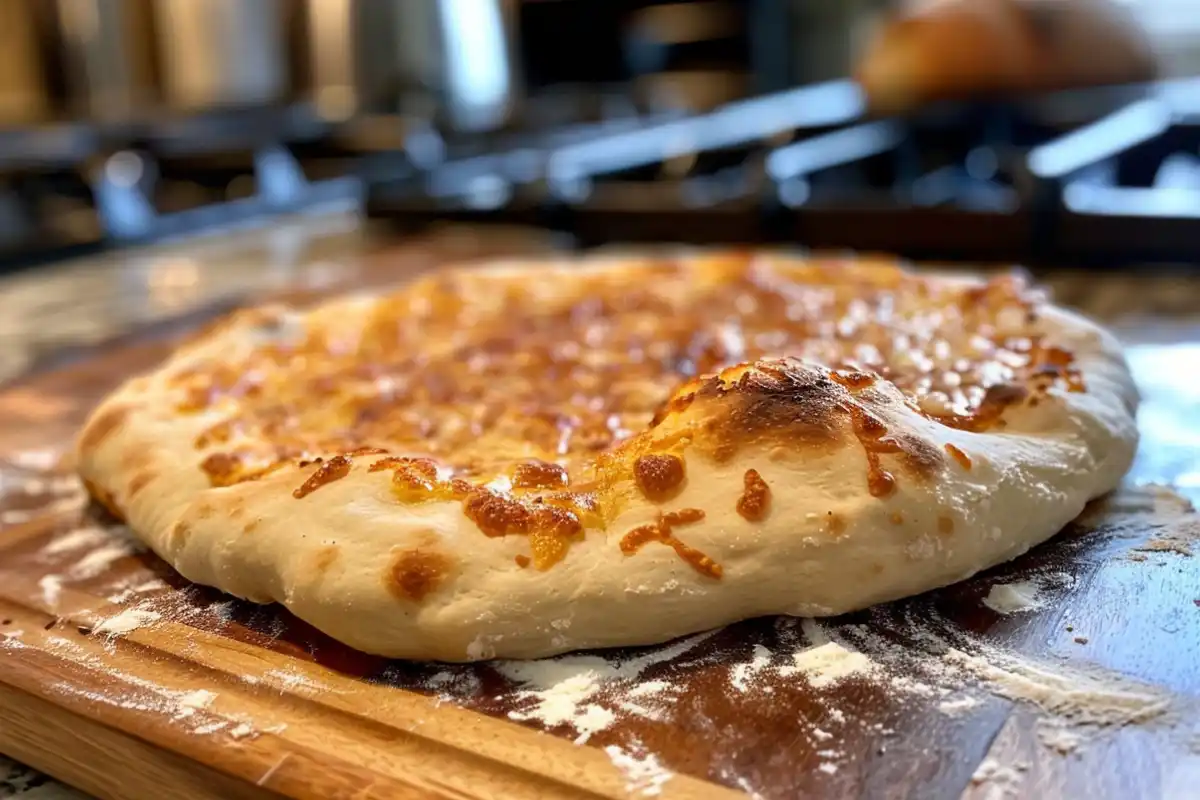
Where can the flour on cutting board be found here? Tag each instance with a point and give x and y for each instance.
(645, 775)
(127, 621)
(1006, 598)
(576, 690)
(182, 706)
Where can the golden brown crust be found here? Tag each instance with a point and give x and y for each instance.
(414, 574)
(538, 408)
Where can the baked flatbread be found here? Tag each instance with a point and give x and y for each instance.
(524, 458)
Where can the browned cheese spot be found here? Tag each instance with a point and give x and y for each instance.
(945, 526)
(756, 497)
(332, 470)
(958, 455)
(539, 475)
(663, 531)
(102, 426)
(251, 526)
(522, 561)
(897, 518)
(414, 574)
(835, 524)
(660, 476)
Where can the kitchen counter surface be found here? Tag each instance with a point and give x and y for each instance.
(53, 314)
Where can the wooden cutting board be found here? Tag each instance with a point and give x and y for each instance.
(126, 681)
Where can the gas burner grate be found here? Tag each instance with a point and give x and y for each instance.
(1099, 175)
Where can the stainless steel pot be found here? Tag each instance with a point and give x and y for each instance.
(449, 58)
(23, 92)
(108, 55)
(222, 52)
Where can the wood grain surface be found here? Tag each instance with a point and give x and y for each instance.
(121, 678)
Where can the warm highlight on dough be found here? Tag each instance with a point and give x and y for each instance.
(528, 458)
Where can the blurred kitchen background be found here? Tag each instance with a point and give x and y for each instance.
(126, 122)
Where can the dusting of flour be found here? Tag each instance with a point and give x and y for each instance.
(576, 691)
(127, 621)
(645, 775)
(1006, 598)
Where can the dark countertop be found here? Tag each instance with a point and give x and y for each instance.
(52, 312)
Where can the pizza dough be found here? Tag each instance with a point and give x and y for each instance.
(523, 459)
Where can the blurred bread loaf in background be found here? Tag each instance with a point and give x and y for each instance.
(935, 50)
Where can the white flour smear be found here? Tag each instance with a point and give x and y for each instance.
(75, 540)
(826, 661)
(570, 690)
(35, 460)
(744, 675)
(51, 586)
(997, 780)
(181, 706)
(644, 774)
(127, 621)
(59, 505)
(126, 593)
(1006, 598)
(1096, 698)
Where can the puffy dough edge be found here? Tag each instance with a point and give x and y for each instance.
(421, 582)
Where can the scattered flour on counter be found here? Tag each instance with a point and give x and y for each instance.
(51, 586)
(126, 593)
(192, 702)
(75, 540)
(1006, 598)
(288, 679)
(1093, 698)
(99, 560)
(959, 705)
(241, 730)
(35, 460)
(1001, 781)
(742, 676)
(127, 621)
(645, 774)
(573, 690)
(825, 661)
(1058, 736)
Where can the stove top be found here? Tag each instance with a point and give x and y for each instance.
(1098, 176)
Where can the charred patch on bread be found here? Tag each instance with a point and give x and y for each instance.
(415, 574)
(660, 476)
(102, 426)
(786, 404)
